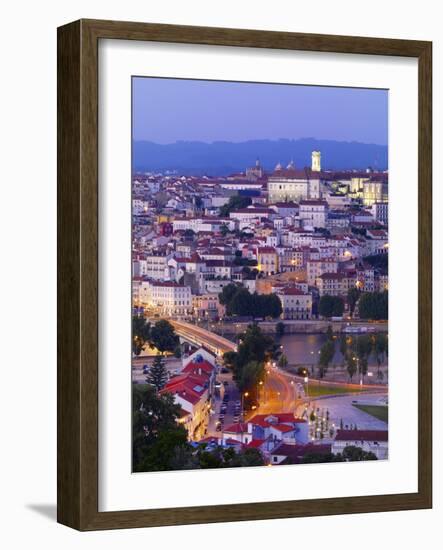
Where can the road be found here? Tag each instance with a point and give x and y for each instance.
(284, 392)
(279, 393)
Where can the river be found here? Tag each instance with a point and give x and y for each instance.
(302, 349)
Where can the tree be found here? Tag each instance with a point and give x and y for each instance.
(327, 352)
(226, 295)
(363, 350)
(272, 306)
(279, 329)
(353, 296)
(331, 306)
(239, 301)
(330, 333)
(246, 457)
(379, 348)
(158, 375)
(283, 361)
(228, 458)
(343, 345)
(229, 359)
(354, 454)
(247, 363)
(373, 305)
(158, 440)
(141, 331)
(249, 377)
(235, 202)
(351, 364)
(163, 336)
(254, 345)
(224, 230)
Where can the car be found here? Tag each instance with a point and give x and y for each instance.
(218, 428)
(224, 370)
(145, 369)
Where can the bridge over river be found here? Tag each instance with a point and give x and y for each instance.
(202, 337)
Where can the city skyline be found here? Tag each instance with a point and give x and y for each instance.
(167, 110)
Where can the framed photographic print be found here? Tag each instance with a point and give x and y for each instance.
(244, 275)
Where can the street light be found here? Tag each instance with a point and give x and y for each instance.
(260, 383)
(246, 394)
(306, 381)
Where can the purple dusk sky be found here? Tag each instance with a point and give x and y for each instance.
(167, 110)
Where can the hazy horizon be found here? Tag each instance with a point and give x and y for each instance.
(274, 140)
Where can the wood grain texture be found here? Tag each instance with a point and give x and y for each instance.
(78, 274)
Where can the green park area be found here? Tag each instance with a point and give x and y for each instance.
(316, 389)
(377, 411)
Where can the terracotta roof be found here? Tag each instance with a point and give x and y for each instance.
(292, 292)
(291, 174)
(241, 427)
(284, 428)
(266, 250)
(194, 366)
(255, 443)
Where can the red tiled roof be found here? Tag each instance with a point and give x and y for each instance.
(292, 292)
(284, 428)
(291, 174)
(194, 366)
(241, 427)
(266, 250)
(255, 443)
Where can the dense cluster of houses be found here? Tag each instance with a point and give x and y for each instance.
(298, 233)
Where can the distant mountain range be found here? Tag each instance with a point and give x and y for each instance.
(224, 157)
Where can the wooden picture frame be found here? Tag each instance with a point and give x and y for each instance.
(78, 274)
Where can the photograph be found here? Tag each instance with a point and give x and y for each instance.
(259, 274)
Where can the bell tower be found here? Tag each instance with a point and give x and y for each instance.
(316, 161)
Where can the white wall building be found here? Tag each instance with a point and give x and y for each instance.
(313, 213)
(166, 298)
(374, 441)
(296, 304)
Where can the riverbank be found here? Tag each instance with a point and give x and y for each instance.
(296, 327)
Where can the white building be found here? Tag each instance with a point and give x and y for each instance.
(315, 268)
(202, 225)
(380, 212)
(296, 304)
(153, 266)
(291, 184)
(313, 213)
(374, 441)
(166, 298)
